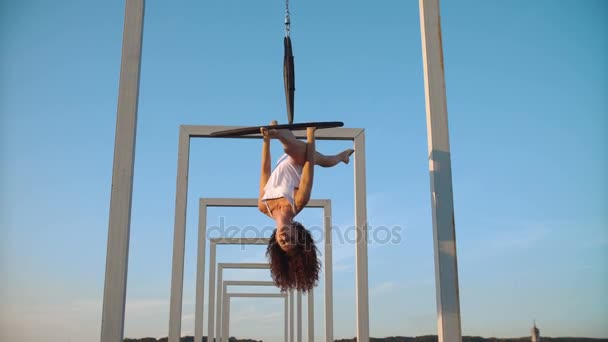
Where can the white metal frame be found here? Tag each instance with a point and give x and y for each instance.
(220, 295)
(219, 303)
(215, 286)
(214, 329)
(227, 283)
(288, 318)
(356, 135)
(226, 303)
(446, 270)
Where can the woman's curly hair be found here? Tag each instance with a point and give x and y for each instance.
(297, 269)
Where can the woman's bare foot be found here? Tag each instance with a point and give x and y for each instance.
(345, 155)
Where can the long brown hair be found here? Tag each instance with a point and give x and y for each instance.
(297, 269)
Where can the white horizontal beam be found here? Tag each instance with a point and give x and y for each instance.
(240, 241)
(256, 295)
(243, 265)
(248, 283)
(196, 131)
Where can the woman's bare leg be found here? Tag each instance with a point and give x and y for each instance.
(296, 149)
(332, 160)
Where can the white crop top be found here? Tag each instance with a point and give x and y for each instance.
(283, 181)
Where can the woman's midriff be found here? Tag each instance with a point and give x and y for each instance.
(281, 202)
(278, 203)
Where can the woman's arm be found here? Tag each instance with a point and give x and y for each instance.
(265, 172)
(305, 188)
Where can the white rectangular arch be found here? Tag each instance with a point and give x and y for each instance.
(226, 303)
(213, 327)
(288, 318)
(220, 275)
(215, 289)
(357, 135)
(228, 283)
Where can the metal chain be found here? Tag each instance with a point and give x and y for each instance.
(287, 19)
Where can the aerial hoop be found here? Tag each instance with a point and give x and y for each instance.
(289, 78)
(288, 68)
(292, 127)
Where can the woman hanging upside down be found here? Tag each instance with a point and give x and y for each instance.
(283, 194)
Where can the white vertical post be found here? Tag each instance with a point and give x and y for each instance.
(361, 288)
(442, 200)
(286, 323)
(311, 316)
(211, 311)
(225, 318)
(218, 300)
(179, 237)
(291, 325)
(224, 336)
(200, 272)
(299, 318)
(328, 272)
(117, 257)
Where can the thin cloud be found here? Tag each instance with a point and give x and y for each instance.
(383, 288)
(253, 314)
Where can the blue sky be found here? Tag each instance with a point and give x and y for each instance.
(526, 86)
